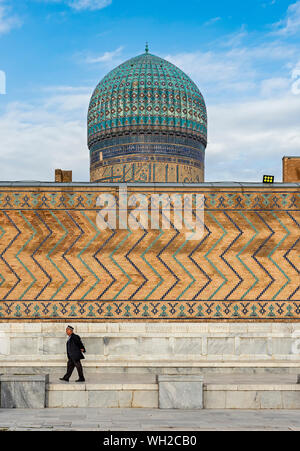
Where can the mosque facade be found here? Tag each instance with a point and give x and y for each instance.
(142, 295)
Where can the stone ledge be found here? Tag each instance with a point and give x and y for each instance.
(180, 378)
(24, 378)
(252, 399)
(162, 333)
(48, 362)
(103, 399)
(251, 387)
(164, 327)
(101, 387)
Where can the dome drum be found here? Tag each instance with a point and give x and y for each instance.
(146, 129)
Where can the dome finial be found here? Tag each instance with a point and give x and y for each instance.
(147, 47)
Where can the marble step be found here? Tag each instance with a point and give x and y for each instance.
(107, 391)
(130, 366)
(221, 391)
(257, 392)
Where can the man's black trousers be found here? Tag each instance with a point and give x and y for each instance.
(70, 369)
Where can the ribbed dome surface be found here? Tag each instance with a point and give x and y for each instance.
(146, 92)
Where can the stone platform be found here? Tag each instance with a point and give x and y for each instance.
(109, 390)
(142, 391)
(134, 366)
(248, 366)
(273, 391)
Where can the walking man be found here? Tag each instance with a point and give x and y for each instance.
(75, 348)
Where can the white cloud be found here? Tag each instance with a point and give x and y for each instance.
(252, 112)
(89, 4)
(80, 5)
(215, 72)
(37, 138)
(65, 89)
(249, 139)
(212, 21)
(275, 86)
(246, 139)
(296, 71)
(207, 65)
(253, 116)
(291, 24)
(7, 21)
(234, 39)
(2, 82)
(238, 70)
(106, 58)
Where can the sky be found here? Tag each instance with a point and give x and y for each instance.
(244, 57)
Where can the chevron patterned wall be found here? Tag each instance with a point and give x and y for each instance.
(56, 264)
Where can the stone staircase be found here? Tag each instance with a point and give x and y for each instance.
(104, 390)
(256, 391)
(134, 384)
(222, 391)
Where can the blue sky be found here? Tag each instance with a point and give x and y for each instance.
(244, 56)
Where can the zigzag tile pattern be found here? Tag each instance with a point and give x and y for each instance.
(56, 264)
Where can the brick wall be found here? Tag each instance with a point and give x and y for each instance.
(57, 265)
(63, 176)
(291, 169)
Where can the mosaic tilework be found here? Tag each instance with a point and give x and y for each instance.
(155, 107)
(149, 149)
(55, 264)
(148, 159)
(146, 169)
(146, 91)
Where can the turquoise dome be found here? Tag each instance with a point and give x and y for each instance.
(146, 93)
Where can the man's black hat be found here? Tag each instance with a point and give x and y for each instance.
(70, 327)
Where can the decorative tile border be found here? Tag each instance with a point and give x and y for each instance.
(217, 199)
(150, 311)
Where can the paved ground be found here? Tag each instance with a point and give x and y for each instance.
(155, 419)
(147, 420)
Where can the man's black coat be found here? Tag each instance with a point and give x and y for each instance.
(74, 346)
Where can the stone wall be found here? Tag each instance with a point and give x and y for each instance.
(56, 264)
(125, 345)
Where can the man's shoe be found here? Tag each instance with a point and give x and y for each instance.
(80, 380)
(63, 379)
